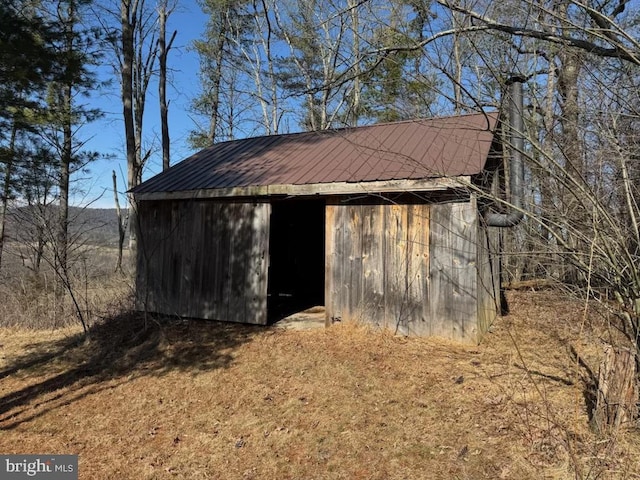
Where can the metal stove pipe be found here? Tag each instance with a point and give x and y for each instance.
(516, 141)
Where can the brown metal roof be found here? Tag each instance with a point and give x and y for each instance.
(409, 150)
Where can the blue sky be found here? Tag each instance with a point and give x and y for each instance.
(107, 134)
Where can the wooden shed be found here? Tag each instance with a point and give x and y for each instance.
(379, 224)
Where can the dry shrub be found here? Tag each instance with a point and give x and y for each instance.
(30, 299)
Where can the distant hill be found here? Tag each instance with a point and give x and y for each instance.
(99, 226)
(94, 226)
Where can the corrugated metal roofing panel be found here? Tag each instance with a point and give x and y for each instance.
(417, 149)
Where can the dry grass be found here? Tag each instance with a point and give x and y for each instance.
(145, 399)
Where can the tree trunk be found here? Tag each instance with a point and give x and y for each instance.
(126, 73)
(6, 190)
(41, 242)
(457, 58)
(61, 247)
(570, 142)
(216, 81)
(553, 264)
(272, 120)
(163, 51)
(122, 223)
(62, 240)
(354, 107)
(617, 395)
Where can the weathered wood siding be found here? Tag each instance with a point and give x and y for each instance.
(412, 268)
(377, 264)
(489, 249)
(453, 271)
(415, 268)
(204, 259)
(488, 277)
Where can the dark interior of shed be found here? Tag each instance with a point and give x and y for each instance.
(296, 257)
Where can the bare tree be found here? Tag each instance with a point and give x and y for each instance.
(218, 51)
(315, 37)
(594, 30)
(164, 11)
(123, 219)
(134, 43)
(260, 64)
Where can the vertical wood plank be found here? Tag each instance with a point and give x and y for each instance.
(208, 245)
(237, 227)
(331, 270)
(175, 259)
(156, 256)
(202, 261)
(353, 272)
(166, 259)
(340, 293)
(257, 273)
(417, 271)
(440, 293)
(373, 303)
(395, 266)
(222, 247)
(193, 257)
(153, 227)
(143, 287)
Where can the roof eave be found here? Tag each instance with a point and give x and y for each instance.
(334, 188)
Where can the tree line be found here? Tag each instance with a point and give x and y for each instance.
(276, 66)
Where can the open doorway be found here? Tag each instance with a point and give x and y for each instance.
(296, 257)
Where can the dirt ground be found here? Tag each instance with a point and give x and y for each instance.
(145, 398)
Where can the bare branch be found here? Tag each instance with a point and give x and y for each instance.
(616, 50)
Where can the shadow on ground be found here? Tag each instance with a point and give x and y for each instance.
(121, 348)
